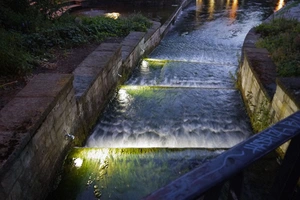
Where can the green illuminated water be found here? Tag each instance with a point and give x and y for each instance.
(124, 173)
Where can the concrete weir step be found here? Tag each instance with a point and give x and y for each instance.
(124, 173)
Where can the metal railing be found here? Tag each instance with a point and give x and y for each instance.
(207, 181)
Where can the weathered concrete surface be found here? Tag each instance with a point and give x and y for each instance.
(133, 48)
(263, 68)
(292, 86)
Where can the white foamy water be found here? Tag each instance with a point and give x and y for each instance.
(184, 94)
(172, 117)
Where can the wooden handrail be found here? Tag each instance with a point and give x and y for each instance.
(227, 165)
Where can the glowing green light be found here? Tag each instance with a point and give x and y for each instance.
(130, 173)
(151, 62)
(137, 91)
(78, 162)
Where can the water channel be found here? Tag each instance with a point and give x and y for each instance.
(179, 108)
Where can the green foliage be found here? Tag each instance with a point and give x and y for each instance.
(67, 33)
(281, 38)
(260, 116)
(136, 22)
(19, 15)
(14, 59)
(29, 32)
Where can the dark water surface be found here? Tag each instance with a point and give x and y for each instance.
(179, 108)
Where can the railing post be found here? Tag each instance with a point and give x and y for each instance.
(289, 173)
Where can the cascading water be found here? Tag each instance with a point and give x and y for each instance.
(179, 108)
(184, 95)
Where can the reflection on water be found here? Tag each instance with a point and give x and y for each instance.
(233, 10)
(211, 9)
(280, 4)
(213, 6)
(216, 6)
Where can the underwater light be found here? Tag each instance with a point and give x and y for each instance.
(123, 96)
(133, 87)
(145, 67)
(78, 162)
(144, 64)
(155, 60)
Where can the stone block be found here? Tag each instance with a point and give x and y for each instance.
(112, 47)
(152, 31)
(38, 139)
(2, 193)
(293, 106)
(27, 155)
(251, 39)
(82, 84)
(46, 85)
(88, 71)
(133, 38)
(16, 192)
(96, 59)
(12, 176)
(126, 50)
(54, 138)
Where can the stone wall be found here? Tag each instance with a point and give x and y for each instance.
(35, 124)
(284, 102)
(57, 111)
(262, 91)
(94, 79)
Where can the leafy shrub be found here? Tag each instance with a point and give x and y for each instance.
(14, 59)
(66, 34)
(28, 33)
(281, 38)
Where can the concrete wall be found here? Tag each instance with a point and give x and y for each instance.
(266, 96)
(284, 103)
(37, 127)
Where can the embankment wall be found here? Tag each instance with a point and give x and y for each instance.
(268, 98)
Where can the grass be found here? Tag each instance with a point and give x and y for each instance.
(281, 38)
(28, 36)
